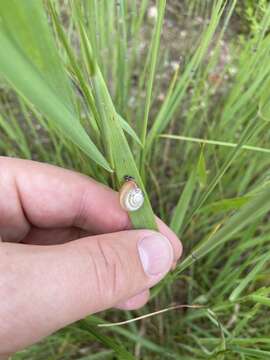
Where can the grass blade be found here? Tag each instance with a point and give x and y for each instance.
(154, 47)
(27, 77)
(214, 142)
(244, 283)
(118, 150)
(256, 208)
(183, 204)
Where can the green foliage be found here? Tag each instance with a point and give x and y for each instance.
(38, 75)
(254, 12)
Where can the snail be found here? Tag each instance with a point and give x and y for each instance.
(131, 196)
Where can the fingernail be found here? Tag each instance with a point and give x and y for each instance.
(156, 254)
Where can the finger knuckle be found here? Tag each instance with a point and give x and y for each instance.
(111, 271)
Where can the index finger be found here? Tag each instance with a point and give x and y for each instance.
(47, 196)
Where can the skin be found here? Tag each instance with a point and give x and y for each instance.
(66, 251)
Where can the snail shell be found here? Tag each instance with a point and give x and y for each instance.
(131, 196)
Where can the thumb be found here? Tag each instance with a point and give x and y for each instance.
(44, 288)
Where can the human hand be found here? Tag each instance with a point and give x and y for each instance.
(44, 288)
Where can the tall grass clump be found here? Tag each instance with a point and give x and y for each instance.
(176, 95)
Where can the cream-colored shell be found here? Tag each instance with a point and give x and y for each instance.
(131, 196)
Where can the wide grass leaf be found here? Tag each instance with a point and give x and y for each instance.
(117, 147)
(31, 64)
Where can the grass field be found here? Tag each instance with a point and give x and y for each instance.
(176, 94)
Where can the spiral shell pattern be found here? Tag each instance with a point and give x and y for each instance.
(131, 196)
